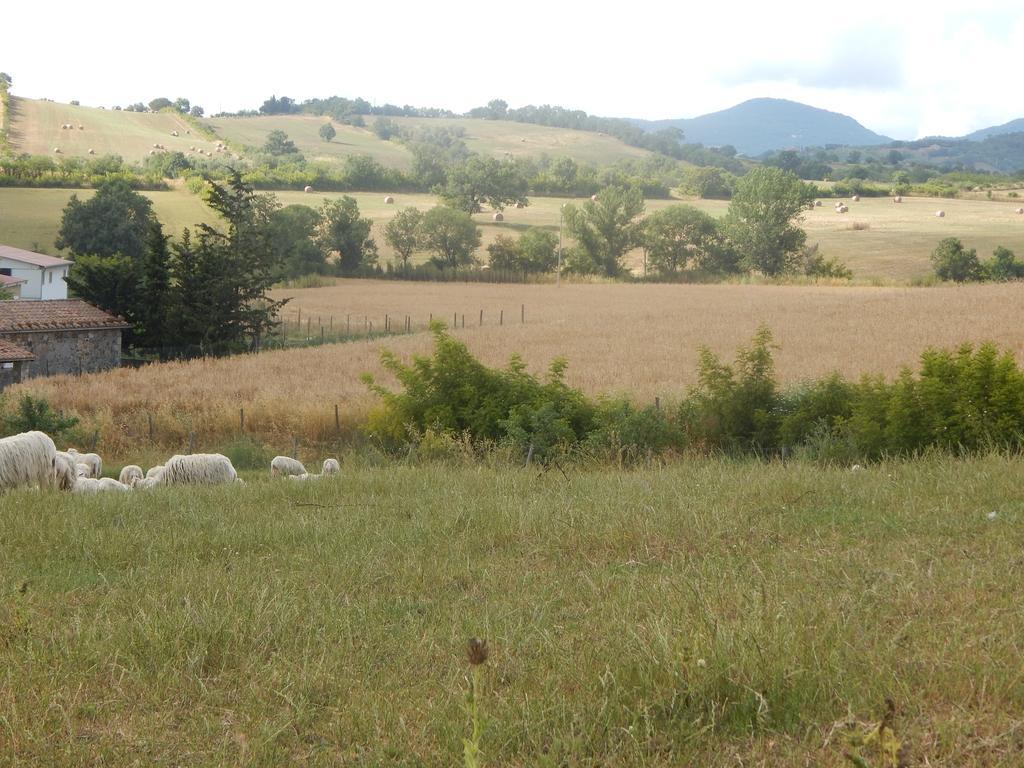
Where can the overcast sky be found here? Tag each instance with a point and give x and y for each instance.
(905, 69)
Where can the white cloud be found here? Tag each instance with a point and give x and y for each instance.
(896, 68)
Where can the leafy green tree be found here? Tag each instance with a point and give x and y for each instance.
(293, 231)
(402, 234)
(451, 235)
(182, 105)
(385, 128)
(1003, 266)
(681, 234)
(504, 254)
(196, 111)
(951, 261)
(232, 271)
(342, 232)
(115, 220)
(108, 282)
(483, 180)
(761, 221)
(278, 144)
(157, 104)
(538, 250)
(605, 229)
(154, 303)
(327, 132)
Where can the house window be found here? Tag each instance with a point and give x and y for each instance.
(5, 271)
(7, 366)
(51, 277)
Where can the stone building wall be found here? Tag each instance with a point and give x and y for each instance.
(69, 351)
(11, 375)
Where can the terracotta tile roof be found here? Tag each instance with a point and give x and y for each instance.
(36, 259)
(10, 282)
(54, 315)
(10, 352)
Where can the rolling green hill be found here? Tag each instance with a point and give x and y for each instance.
(36, 130)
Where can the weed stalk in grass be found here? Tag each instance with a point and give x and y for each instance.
(477, 653)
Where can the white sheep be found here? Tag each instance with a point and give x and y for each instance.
(153, 471)
(27, 459)
(92, 461)
(83, 470)
(101, 485)
(130, 475)
(286, 466)
(331, 467)
(64, 474)
(195, 469)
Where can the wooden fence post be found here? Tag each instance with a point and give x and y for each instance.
(241, 419)
(481, 317)
(522, 313)
(337, 419)
(191, 442)
(501, 317)
(295, 447)
(149, 418)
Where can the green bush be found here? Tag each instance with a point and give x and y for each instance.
(735, 410)
(626, 434)
(453, 392)
(35, 413)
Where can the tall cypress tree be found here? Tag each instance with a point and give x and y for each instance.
(154, 293)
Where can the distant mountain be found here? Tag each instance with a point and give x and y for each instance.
(764, 125)
(1014, 126)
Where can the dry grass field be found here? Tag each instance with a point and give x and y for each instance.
(36, 129)
(640, 340)
(304, 131)
(501, 138)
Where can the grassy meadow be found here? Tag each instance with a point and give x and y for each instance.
(304, 131)
(710, 613)
(880, 241)
(36, 129)
(637, 340)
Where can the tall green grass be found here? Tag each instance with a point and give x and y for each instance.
(712, 613)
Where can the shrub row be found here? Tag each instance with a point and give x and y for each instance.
(962, 401)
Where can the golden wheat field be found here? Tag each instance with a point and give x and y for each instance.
(640, 340)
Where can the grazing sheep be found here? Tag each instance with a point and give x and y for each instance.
(307, 189)
(498, 217)
(153, 471)
(93, 485)
(27, 459)
(91, 461)
(83, 470)
(130, 475)
(941, 214)
(389, 200)
(196, 469)
(64, 473)
(285, 466)
(331, 467)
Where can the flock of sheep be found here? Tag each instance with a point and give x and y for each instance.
(31, 460)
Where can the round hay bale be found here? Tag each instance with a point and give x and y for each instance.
(817, 203)
(81, 127)
(842, 209)
(856, 198)
(389, 200)
(92, 151)
(897, 199)
(593, 198)
(940, 214)
(57, 150)
(520, 206)
(498, 217)
(307, 188)
(1020, 210)
(155, 146)
(174, 133)
(152, 151)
